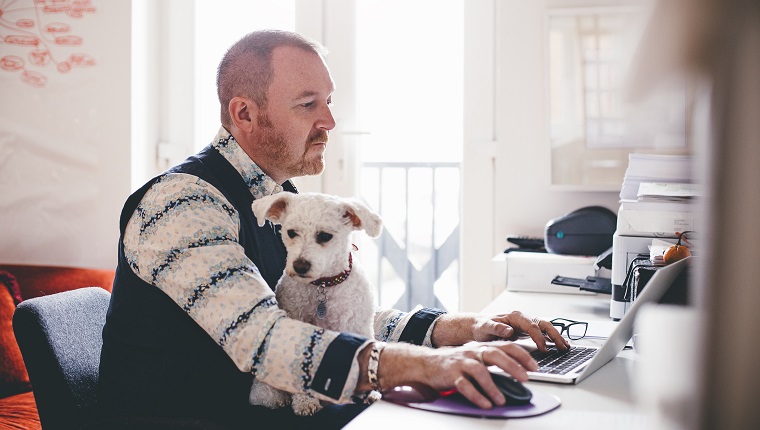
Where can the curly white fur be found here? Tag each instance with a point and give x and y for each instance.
(316, 231)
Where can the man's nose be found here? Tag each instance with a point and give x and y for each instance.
(326, 120)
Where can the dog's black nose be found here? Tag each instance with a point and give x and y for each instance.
(301, 266)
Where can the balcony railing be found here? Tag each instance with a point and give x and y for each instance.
(417, 259)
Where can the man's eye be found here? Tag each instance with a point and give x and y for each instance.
(292, 234)
(307, 104)
(323, 237)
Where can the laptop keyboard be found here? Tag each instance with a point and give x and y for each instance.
(559, 362)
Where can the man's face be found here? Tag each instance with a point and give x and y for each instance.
(294, 127)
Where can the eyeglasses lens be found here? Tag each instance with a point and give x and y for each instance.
(576, 331)
(572, 329)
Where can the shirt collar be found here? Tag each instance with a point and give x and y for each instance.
(258, 182)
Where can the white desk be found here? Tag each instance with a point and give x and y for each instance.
(602, 401)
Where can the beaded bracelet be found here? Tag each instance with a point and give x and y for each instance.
(374, 361)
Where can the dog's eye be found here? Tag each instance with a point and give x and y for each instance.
(323, 237)
(292, 234)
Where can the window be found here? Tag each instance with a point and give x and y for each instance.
(219, 24)
(409, 100)
(593, 123)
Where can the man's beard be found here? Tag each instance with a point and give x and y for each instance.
(288, 159)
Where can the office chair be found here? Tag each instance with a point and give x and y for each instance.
(60, 338)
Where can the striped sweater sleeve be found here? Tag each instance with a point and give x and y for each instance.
(414, 327)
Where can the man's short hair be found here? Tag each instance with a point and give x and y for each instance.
(246, 69)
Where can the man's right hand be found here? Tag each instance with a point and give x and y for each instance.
(455, 367)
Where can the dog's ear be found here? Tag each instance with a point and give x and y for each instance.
(360, 217)
(271, 208)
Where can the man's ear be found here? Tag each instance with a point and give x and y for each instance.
(243, 112)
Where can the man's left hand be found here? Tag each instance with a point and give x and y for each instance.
(457, 329)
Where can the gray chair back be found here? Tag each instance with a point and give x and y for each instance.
(60, 338)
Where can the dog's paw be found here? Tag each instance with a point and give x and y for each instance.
(305, 405)
(372, 397)
(265, 395)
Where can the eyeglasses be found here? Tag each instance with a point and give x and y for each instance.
(575, 329)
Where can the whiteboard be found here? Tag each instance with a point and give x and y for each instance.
(64, 130)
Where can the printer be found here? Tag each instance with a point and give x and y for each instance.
(638, 224)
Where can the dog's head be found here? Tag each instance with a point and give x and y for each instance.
(316, 230)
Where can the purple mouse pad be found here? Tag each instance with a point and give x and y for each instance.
(456, 404)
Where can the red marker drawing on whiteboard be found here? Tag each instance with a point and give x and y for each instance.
(38, 37)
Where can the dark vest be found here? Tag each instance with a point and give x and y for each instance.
(156, 361)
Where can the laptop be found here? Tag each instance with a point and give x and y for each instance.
(573, 366)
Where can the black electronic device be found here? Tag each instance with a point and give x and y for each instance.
(527, 242)
(513, 390)
(586, 231)
(591, 283)
(515, 393)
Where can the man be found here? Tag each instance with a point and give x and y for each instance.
(193, 317)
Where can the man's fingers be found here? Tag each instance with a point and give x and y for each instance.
(468, 389)
(539, 330)
(536, 333)
(512, 359)
(553, 334)
(492, 330)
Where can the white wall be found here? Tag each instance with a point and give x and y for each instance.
(65, 145)
(524, 198)
(480, 141)
(520, 199)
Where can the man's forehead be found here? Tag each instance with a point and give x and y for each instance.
(302, 73)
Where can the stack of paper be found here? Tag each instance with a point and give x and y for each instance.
(666, 192)
(652, 168)
(657, 196)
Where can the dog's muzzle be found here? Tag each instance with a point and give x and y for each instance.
(301, 267)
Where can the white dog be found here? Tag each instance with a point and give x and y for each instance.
(320, 285)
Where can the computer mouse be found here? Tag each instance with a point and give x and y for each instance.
(513, 390)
